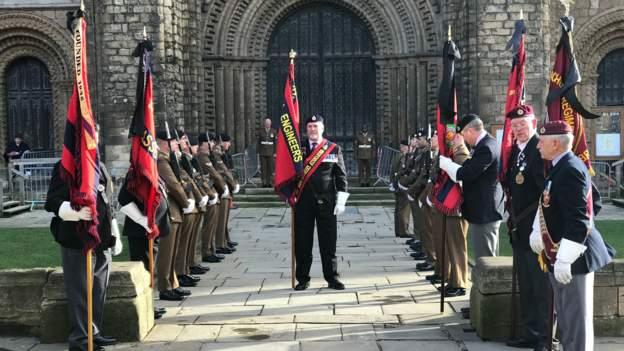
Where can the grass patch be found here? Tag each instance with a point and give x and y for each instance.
(35, 247)
(611, 231)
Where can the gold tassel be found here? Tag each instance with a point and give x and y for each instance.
(542, 262)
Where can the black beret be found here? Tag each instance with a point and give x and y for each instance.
(555, 128)
(202, 138)
(314, 118)
(181, 133)
(465, 120)
(420, 132)
(404, 142)
(162, 135)
(193, 140)
(521, 112)
(225, 137)
(212, 136)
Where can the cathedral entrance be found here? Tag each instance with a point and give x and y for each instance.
(29, 102)
(335, 71)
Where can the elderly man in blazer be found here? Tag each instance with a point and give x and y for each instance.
(483, 195)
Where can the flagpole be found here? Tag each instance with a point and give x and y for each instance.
(292, 54)
(89, 301)
(443, 266)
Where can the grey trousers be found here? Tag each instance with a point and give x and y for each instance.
(574, 304)
(534, 295)
(75, 278)
(484, 239)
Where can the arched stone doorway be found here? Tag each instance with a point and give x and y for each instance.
(335, 71)
(29, 102)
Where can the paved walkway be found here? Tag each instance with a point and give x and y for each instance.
(245, 302)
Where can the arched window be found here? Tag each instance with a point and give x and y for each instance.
(611, 79)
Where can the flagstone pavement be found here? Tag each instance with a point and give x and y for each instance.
(246, 302)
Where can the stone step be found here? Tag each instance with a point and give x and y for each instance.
(350, 203)
(618, 202)
(9, 204)
(250, 190)
(15, 210)
(274, 197)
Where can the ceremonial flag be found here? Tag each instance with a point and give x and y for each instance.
(446, 193)
(515, 94)
(562, 102)
(289, 158)
(143, 171)
(80, 160)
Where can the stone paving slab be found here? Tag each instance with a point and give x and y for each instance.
(246, 302)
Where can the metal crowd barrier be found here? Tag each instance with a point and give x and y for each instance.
(604, 179)
(246, 166)
(385, 156)
(29, 179)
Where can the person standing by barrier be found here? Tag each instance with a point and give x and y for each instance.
(364, 153)
(402, 211)
(16, 148)
(266, 152)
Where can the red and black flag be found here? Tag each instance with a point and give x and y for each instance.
(80, 160)
(515, 93)
(562, 102)
(446, 194)
(142, 179)
(289, 158)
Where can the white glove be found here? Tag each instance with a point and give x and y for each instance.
(131, 210)
(236, 189)
(410, 198)
(341, 201)
(190, 207)
(226, 192)
(449, 167)
(535, 239)
(118, 243)
(568, 252)
(213, 201)
(67, 213)
(401, 186)
(391, 188)
(203, 201)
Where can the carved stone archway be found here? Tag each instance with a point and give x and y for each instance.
(26, 35)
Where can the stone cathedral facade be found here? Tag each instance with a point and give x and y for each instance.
(220, 65)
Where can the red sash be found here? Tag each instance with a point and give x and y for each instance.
(311, 163)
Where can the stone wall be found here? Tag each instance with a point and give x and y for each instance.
(490, 300)
(33, 302)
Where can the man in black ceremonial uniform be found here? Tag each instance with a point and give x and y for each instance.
(64, 229)
(565, 235)
(525, 182)
(322, 196)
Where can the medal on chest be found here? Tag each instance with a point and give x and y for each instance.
(520, 175)
(546, 195)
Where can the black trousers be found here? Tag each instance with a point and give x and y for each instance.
(534, 290)
(138, 247)
(309, 212)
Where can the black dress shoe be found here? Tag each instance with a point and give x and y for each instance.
(194, 278)
(419, 255)
(198, 271)
(522, 343)
(221, 257)
(158, 315)
(336, 285)
(454, 292)
(224, 250)
(170, 295)
(302, 286)
(431, 277)
(182, 292)
(232, 243)
(160, 309)
(211, 259)
(426, 266)
(416, 247)
(186, 282)
(102, 340)
(410, 241)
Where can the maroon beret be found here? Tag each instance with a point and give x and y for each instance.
(555, 128)
(521, 111)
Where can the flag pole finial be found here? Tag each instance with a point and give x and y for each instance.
(292, 54)
(82, 5)
(450, 37)
(521, 14)
(144, 33)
